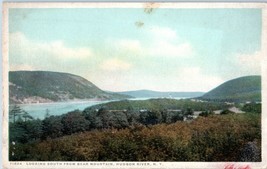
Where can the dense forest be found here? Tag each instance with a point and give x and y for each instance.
(117, 131)
(205, 139)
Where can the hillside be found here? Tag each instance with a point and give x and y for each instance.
(150, 93)
(158, 105)
(44, 86)
(242, 89)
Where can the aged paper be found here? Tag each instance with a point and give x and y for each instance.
(134, 85)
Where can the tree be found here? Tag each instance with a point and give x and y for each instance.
(151, 117)
(52, 127)
(120, 120)
(26, 116)
(132, 117)
(252, 107)
(35, 129)
(17, 132)
(189, 111)
(206, 113)
(74, 122)
(47, 113)
(14, 112)
(226, 112)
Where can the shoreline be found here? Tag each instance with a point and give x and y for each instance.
(62, 102)
(90, 100)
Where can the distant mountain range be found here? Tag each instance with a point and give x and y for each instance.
(44, 86)
(155, 94)
(247, 88)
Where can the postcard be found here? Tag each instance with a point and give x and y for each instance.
(134, 85)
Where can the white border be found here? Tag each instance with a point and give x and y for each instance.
(131, 165)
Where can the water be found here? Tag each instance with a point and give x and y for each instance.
(40, 110)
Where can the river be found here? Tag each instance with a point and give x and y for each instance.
(59, 108)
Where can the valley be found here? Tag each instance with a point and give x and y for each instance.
(93, 124)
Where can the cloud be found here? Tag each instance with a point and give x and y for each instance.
(15, 67)
(192, 78)
(129, 45)
(156, 42)
(167, 49)
(22, 47)
(249, 63)
(115, 64)
(58, 48)
(166, 43)
(163, 32)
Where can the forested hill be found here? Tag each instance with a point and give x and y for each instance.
(156, 94)
(247, 88)
(157, 105)
(44, 86)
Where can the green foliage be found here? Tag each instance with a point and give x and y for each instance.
(25, 131)
(172, 116)
(35, 129)
(213, 138)
(74, 122)
(16, 112)
(18, 132)
(189, 111)
(206, 113)
(226, 112)
(158, 105)
(52, 127)
(130, 113)
(150, 117)
(252, 107)
(26, 116)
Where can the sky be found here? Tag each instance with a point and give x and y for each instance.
(130, 48)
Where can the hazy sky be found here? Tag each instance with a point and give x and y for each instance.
(129, 49)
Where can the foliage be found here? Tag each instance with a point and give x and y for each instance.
(74, 122)
(16, 112)
(206, 113)
(128, 114)
(52, 127)
(252, 107)
(25, 131)
(226, 112)
(26, 116)
(213, 138)
(158, 105)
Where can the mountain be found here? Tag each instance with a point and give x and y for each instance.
(44, 86)
(247, 88)
(154, 94)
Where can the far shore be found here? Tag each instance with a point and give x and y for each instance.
(90, 100)
(63, 102)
